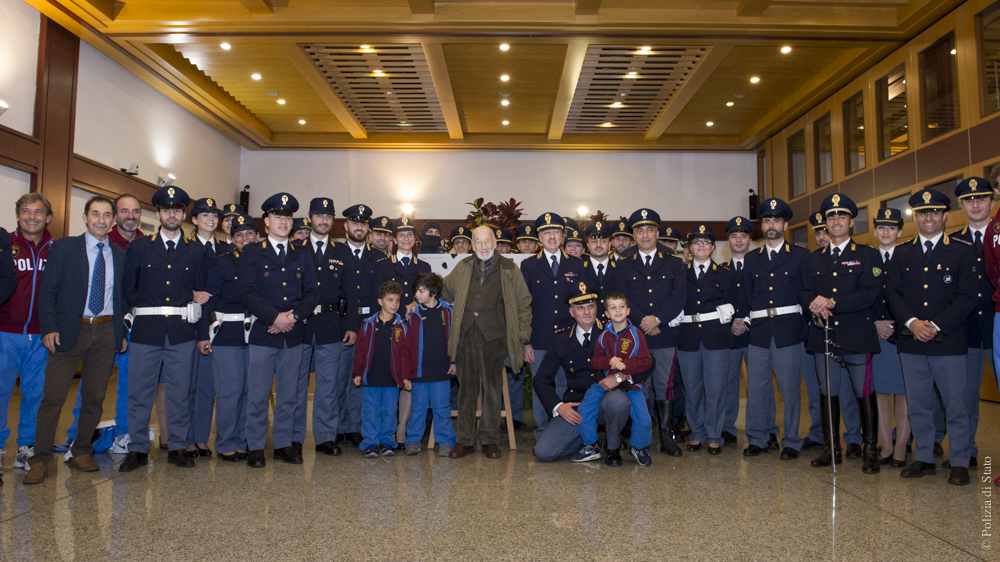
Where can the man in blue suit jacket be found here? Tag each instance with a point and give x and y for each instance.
(80, 312)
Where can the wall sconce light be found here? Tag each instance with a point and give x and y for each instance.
(407, 209)
(3, 107)
(165, 181)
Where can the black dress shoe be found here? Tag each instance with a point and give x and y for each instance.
(181, 458)
(918, 469)
(241, 456)
(714, 450)
(694, 447)
(897, 464)
(788, 454)
(885, 460)
(753, 451)
(288, 455)
(959, 476)
(612, 457)
(190, 454)
(162, 445)
(946, 464)
(229, 457)
(853, 451)
(809, 443)
(204, 452)
(298, 447)
(133, 461)
(728, 438)
(772, 442)
(329, 448)
(938, 451)
(338, 439)
(255, 459)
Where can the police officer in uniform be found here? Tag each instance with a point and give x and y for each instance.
(527, 239)
(976, 199)
(931, 290)
(222, 339)
(301, 229)
(278, 282)
(621, 239)
(574, 243)
(822, 234)
(326, 332)
(669, 237)
(598, 264)
(549, 274)
(360, 275)
(461, 240)
(842, 282)
(381, 234)
(655, 283)
(504, 240)
(163, 273)
(205, 216)
(229, 212)
(772, 280)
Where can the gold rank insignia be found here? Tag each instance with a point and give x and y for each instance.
(498, 233)
(598, 225)
(644, 213)
(927, 197)
(326, 203)
(548, 218)
(819, 217)
(527, 229)
(240, 220)
(701, 229)
(284, 199)
(739, 220)
(583, 287)
(170, 193)
(305, 221)
(384, 221)
(835, 199)
(973, 183)
(461, 230)
(621, 226)
(887, 213)
(14, 251)
(361, 208)
(774, 203)
(404, 221)
(210, 202)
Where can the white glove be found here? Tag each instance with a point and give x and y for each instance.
(676, 321)
(726, 312)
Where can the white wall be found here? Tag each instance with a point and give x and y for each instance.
(680, 186)
(13, 184)
(121, 120)
(19, 25)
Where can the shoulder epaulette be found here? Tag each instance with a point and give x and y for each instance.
(960, 241)
(227, 253)
(383, 258)
(561, 330)
(152, 237)
(612, 263)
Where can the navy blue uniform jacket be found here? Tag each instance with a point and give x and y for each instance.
(331, 270)
(715, 288)
(152, 278)
(63, 293)
(271, 287)
(224, 285)
(659, 292)
(360, 274)
(941, 288)
(740, 303)
(772, 284)
(854, 281)
(979, 326)
(549, 311)
(389, 269)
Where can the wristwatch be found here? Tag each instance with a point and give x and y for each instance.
(295, 315)
(618, 378)
(658, 320)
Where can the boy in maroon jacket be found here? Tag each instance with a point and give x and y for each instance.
(383, 364)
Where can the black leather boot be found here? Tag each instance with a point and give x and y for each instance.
(826, 458)
(868, 410)
(665, 416)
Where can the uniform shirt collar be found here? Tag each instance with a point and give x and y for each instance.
(176, 239)
(400, 255)
(202, 241)
(580, 332)
(596, 262)
(274, 244)
(643, 255)
(981, 231)
(934, 241)
(325, 240)
(841, 246)
(548, 256)
(882, 251)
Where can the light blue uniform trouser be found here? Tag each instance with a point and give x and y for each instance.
(706, 373)
(537, 409)
(560, 438)
(22, 354)
(280, 367)
(736, 357)
(331, 385)
(229, 366)
(350, 408)
(145, 364)
(920, 374)
(813, 369)
(202, 402)
(786, 364)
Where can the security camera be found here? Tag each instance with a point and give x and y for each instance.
(132, 170)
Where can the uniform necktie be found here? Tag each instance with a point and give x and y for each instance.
(771, 254)
(96, 301)
(836, 254)
(208, 246)
(979, 242)
(701, 270)
(600, 273)
(555, 267)
(406, 262)
(170, 247)
(281, 252)
(886, 260)
(930, 246)
(586, 339)
(739, 267)
(319, 248)
(357, 254)
(649, 261)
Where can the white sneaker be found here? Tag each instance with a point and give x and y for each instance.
(120, 446)
(23, 454)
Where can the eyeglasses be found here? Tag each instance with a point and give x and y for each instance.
(701, 242)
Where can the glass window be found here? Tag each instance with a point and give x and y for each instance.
(989, 47)
(823, 144)
(893, 136)
(939, 81)
(900, 202)
(854, 133)
(800, 237)
(797, 163)
(948, 188)
(861, 221)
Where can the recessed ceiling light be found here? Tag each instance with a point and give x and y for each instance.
(504, 47)
(786, 49)
(645, 50)
(226, 46)
(709, 124)
(272, 94)
(376, 71)
(616, 104)
(754, 80)
(302, 121)
(505, 122)
(281, 102)
(504, 102)
(504, 78)
(388, 93)
(607, 125)
(255, 76)
(729, 104)
(632, 73)
(366, 46)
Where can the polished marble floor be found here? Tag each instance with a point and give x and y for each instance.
(696, 507)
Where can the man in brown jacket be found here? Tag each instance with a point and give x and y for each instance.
(491, 323)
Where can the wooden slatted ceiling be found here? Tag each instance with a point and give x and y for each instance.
(386, 87)
(607, 79)
(232, 70)
(780, 76)
(534, 72)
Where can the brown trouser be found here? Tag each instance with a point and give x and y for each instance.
(95, 347)
(479, 365)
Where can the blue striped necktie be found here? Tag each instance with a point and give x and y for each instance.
(96, 301)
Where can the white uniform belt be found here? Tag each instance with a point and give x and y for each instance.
(213, 330)
(779, 311)
(229, 317)
(160, 311)
(700, 317)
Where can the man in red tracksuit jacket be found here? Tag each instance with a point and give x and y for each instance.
(21, 350)
(991, 256)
